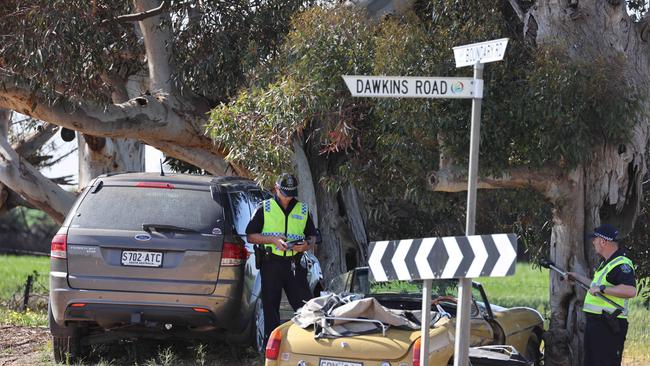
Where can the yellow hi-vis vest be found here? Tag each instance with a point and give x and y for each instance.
(596, 305)
(276, 223)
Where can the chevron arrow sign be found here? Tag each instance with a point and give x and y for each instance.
(447, 257)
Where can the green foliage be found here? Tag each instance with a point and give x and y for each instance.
(76, 48)
(540, 109)
(63, 45)
(217, 44)
(264, 143)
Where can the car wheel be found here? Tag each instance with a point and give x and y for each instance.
(67, 350)
(259, 327)
(533, 352)
(66, 341)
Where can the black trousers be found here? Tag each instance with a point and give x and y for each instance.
(603, 347)
(277, 274)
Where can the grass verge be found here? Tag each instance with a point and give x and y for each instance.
(14, 271)
(530, 287)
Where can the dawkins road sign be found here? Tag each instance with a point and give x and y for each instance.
(413, 87)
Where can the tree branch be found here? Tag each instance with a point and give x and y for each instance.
(22, 178)
(157, 36)
(517, 9)
(200, 157)
(144, 116)
(34, 141)
(142, 15)
(452, 179)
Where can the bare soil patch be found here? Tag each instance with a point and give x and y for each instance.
(22, 345)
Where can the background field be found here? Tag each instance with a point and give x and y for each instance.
(529, 287)
(15, 269)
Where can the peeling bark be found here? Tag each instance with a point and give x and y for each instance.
(109, 155)
(156, 38)
(34, 142)
(100, 155)
(22, 178)
(357, 219)
(306, 191)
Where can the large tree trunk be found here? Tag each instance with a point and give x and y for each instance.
(608, 189)
(566, 251)
(99, 155)
(341, 218)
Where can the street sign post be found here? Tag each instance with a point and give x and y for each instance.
(475, 54)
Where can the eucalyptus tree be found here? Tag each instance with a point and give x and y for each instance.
(145, 70)
(565, 115)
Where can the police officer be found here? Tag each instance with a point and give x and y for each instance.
(277, 221)
(606, 326)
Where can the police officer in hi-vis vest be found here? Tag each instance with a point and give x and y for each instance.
(614, 278)
(277, 221)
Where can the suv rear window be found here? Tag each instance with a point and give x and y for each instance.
(127, 208)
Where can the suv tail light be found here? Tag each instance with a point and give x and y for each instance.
(416, 352)
(155, 185)
(232, 254)
(59, 246)
(273, 345)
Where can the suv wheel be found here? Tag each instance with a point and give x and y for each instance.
(67, 350)
(259, 326)
(66, 341)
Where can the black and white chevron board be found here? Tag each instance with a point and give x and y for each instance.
(473, 256)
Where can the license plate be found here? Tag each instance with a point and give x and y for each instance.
(326, 362)
(141, 259)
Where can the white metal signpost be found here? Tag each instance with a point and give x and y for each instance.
(442, 87)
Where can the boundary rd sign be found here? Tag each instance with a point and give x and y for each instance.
(448, 257)
(413, 87)
(482, 52)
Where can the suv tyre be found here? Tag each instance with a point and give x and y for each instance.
(259, 326)
(66, 341)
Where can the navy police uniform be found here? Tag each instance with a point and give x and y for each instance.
(282, 269)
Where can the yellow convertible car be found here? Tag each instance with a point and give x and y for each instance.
(512, 334)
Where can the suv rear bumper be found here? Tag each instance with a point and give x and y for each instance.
(111, 308)
(111, 315)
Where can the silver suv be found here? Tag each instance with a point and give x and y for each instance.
(144, 255)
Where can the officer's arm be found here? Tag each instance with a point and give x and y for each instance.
(623, 291)
(622, 281)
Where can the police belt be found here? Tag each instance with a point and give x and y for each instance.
(273, 256)
(612, 321)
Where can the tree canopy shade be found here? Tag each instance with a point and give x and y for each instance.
(567, 121)
(149, 76)
(541, 109)
(563, 114)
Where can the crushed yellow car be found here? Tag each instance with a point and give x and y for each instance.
(519, 328)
